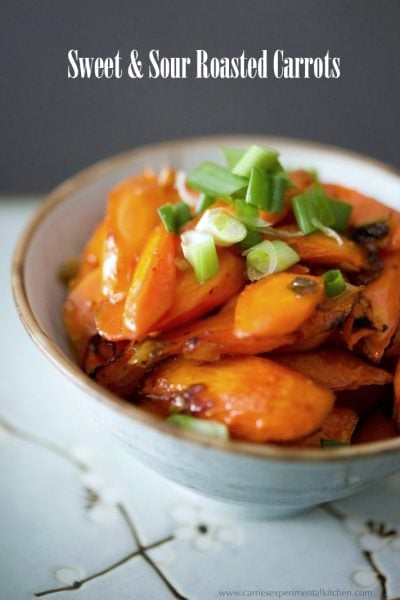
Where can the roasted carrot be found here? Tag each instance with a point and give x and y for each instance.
(366, 210)
(193, 299)
(277, 305)
(257, 399)
(339, 426)
(336, 369)
(377, 426)
(79, 310)
(92, 254)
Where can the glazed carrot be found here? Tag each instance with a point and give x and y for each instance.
(277, 304)
(318, 249)
(92, 253)
(335, 369)
(131, 216)
(216, 335)
(396, 407)
(383, 297)
(338, 426)
(79, 310)
(377, 426)
(366, 210)
(257, 399)
(193, 299)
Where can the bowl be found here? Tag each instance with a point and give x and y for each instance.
(260, 480)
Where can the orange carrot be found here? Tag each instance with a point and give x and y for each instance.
(336, 369)
(79, 310)
(339, 425)
(377, 426)
(257, 399)
(92, 253)
(193, 299)
(366, 210)
(277, 305)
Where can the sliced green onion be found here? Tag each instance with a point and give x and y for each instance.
(278, 187)
(182, 214)
(312, 205)
(232, 156)
(174, 216)
(215, 180)
(255, 156)
(334, 283)
(341, 213)
(167, 216)
(269, 257)
(259, 189)
(199, 250)
(225, 229)
(249, 215)
(204, 426)
(328, 231)
(332, 443)
(252, 238)
(204, 203)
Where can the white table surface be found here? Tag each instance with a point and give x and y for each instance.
(82, 520)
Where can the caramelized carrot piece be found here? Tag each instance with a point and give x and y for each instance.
(93, 252)
(396, 407)
(339, 425)
(336, 369)
(257, 399)
(193, 299)
(383, 297)
(79, 311)
(319, 249)
(377, 426)
(219, 331)
(366, 210)
(277, 305)
(151, 292)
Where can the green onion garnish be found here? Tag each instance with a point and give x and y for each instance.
(255, 156)
(341, 213)
(199, 250)
(310, 208)
(225, 229)
(334, 283)
(167, 216)
(278, 187)
(215, 180)
(232, 156)
(204, 203)
(332, 443)
(249, 215)
(174, 216)
(252, 238)
(269, 257)
(204, 426)
(259, 189)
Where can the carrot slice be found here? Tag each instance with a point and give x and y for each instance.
(377, 426)
(339, 425)
(336, 369)
(193, 299)
(79, 311)
(93, 252)
(366, 210)
(151, 292)
(219, 331)
(383, 297)
(257, 399)
(273, 307)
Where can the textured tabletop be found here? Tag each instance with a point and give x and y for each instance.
(81, 520)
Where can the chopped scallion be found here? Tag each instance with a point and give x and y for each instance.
(204, 203)
(255, 156)
(167, 216)
(252, 238)
(204, 426)
(332, 443)
(312, 205)
(269, 257)
(225, 229)
(341, 213)
(259, 189)
(278, 187)
(232, 156)
(215, 180)
(182, 214)
(334, 283)
(199, 250)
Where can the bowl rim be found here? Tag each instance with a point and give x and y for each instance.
(60, 194)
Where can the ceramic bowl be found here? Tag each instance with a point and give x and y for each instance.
(259, 479)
